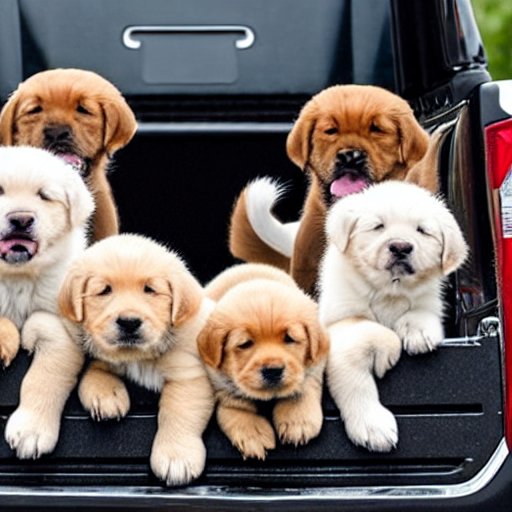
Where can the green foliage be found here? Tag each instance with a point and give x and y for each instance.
(494, 18)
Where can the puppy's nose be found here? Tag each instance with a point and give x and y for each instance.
(272, 375)
(20, 221)
(352, 158)
(57, 133)
(400, 249)
(128, 325)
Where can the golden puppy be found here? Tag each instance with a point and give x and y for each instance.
(138, 311)
(346, 137)
(263, 341)
(79, 116)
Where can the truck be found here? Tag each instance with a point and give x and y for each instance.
(215, 86)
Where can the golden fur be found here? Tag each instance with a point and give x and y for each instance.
(263, 341)
(375, 122)
(80, 116)
(138, 311)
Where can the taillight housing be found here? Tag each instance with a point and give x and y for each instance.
(498, 148)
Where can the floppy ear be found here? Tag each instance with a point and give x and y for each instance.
(340, 223)
(299, 140)
(455, 249)
(211, 341)
(413, 140)
(79, 199)
(7, 117)
(71, 295)
(120, 124)
(186, 297)
(318, 343)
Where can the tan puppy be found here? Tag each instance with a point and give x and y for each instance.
(346, 137)
(79, 116)
(264, 342)
(138, 311)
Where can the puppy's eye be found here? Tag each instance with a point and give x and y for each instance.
(149, 290)
(379, 227)
(331, 131)
(247, 344)
(43, 195)
(82, 110)
(106, 291)
(2, 191)
(288, 339)
(376, 129)
(422, 230)
(35, 110)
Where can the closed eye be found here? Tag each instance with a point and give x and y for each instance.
(36, 110)
(82, 110)
(149, 290)
(378, 227)
(289, 340)
(247, 344)
(422, 230)
(106, 291)
(43, 195)
(331, 131)
(376, 129)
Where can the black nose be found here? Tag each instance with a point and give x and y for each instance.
(57, 133)
(272, 375)
(128, 325)
(20, 221)
(400, 249)
(353, 158)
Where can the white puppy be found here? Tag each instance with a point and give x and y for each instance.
(389, 249)
(44, 207)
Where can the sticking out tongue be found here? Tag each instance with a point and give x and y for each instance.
(17, 250)
(74, 160)
(347, 184)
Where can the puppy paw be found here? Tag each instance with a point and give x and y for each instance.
(374, 428)
(178, 463)
(295, 424)
(387, 352)
(419, 333)
(104, 396)
(254, 439)
(30, 435)
(9, 341)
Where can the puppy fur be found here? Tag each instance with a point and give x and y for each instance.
(44, 210)
(79, 116)
(389, 250)
(138, 310)
(264, 342)
(346, 137)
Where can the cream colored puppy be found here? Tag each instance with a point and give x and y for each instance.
(44, 207)
(389, 250)
(138, 311)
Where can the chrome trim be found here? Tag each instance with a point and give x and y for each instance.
(133, 44)
(116, 496)
(505, 95)
(213, 127)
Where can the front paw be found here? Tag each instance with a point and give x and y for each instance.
(374, 428)
(9, 341)
(30, 434)
(178, 463)
(419, 333)
(252, 438)
(295, 424)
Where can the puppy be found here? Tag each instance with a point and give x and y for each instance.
(346, 137)
(263, 342)
(44, 207)
(389, 250)
(138, 311)
(79, 116)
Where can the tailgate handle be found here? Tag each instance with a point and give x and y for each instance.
(244, 42)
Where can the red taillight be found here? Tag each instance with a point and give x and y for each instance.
(498, 146)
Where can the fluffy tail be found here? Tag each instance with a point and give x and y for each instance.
(255, 235)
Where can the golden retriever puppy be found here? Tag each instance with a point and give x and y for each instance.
(389, 250)
(346, 138)
(138, 311)
(262, 342)
(44, 208)
(82, 118)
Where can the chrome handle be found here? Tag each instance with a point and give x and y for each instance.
(245, 42)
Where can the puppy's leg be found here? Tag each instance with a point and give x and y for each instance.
(420, 331)
(358, 349)
(102, 393)
(299, 419)
(33, 428)
(250, 433)
(178, 454)
(9, 341)
(105, 219)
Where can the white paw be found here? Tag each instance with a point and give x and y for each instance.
(374, 427)
(419, 333)
(28, 434)
(386, 355)
(178, 463)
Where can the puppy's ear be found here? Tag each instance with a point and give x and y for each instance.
(340, 223)
(79, 201)
(318, 343)
(300, 139)
(186, 297)
(413, 140)
(211, 341)
(455, 249)
(7, 120)
(71, 295)
(120, 124)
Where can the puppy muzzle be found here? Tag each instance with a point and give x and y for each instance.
(18, 243)
(399, 263)
(272, 376)
(129, 331)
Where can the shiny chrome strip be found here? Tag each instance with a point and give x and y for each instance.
(117, 496)
(505, 96)
(211, 127)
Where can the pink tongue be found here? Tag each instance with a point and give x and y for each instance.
(71, 159)
(346, 185)
(7, 245)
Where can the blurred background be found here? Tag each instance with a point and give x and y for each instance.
(494, 18)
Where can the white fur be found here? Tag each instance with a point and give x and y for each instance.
(261, 196)
(369, 308)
